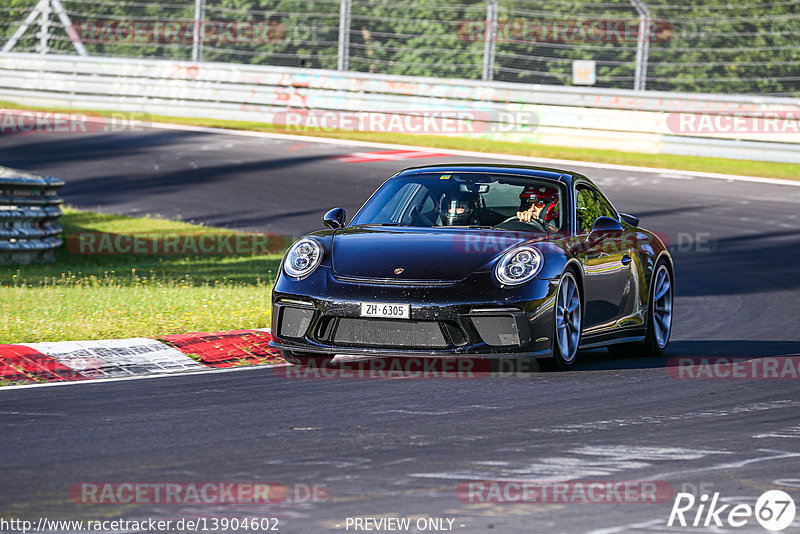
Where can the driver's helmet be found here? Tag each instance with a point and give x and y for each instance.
(458, 209)
(546, 196)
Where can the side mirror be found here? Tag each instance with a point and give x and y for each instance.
(606, 225)
(630, 219)
(334, 218)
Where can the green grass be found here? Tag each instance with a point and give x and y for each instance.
(113, 296)
(788, 171)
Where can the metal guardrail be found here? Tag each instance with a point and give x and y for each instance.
(29, 209)
(205, 76)
(568, 116)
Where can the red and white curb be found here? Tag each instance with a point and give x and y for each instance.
(124, 358)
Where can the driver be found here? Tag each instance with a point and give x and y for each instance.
(539, 203)
(458, 209)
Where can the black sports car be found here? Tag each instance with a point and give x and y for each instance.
(476, 260)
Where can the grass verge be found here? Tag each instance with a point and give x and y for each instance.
(766, 169)
(113, 296)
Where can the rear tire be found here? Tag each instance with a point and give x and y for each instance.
(567, 321)
(659, 318)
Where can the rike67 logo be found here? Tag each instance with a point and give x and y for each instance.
(774, 510)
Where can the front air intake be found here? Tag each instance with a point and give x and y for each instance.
(294, 322)
(501, 329)
(389, 333)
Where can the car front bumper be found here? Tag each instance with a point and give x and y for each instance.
(474, 317)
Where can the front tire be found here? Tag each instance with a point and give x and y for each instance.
(568, 321)
(659, 318)
(659, 325)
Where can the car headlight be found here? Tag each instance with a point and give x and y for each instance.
(303, 257)
(519, 265)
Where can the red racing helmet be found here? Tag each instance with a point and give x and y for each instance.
(547, 196)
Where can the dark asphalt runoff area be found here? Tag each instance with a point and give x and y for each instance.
(400, 448)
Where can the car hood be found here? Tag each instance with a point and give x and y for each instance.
(419, 253)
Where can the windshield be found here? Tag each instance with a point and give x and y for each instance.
(466, 200)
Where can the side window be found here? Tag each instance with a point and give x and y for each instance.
(589, 205)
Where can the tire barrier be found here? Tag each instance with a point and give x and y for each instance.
(29, 212)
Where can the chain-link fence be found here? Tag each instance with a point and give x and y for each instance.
(714, 46)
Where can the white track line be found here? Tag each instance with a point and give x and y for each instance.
(142, 377)
(485, 155)
(780, 455)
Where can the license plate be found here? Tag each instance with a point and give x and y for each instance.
(383, 309)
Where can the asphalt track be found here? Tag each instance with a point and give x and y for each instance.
(399, 448)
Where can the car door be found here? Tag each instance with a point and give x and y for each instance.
(606, 260)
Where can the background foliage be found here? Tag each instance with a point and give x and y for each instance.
(711, 46)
